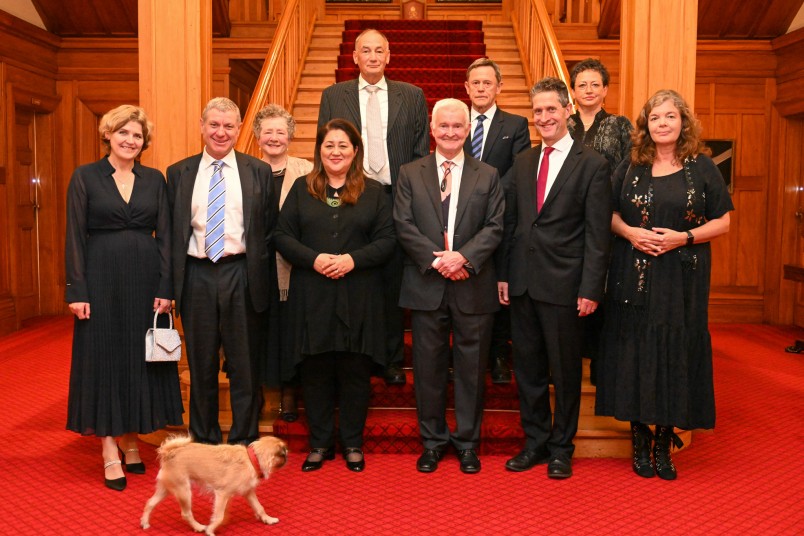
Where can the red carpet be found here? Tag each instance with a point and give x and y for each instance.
(743, 478)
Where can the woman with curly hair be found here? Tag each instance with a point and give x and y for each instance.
(669, 202)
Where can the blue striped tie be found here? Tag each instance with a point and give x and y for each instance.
(477, 138)
(213, 241)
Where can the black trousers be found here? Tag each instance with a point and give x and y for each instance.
(330, 380)
(547, 341)
(471, 337)
(216, 311)
(394, 314)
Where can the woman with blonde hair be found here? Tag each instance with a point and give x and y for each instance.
(669, 202)
(118, 273)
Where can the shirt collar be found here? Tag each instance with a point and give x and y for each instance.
(361, 83)
(563, 145)
(488, 113)
(229, 159)
(458, 160)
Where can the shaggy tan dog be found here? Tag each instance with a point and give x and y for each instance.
(226, 470)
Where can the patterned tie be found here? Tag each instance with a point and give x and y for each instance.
(213, 241)
(375, 149)
(446, 181)
(541, 180)
(446, 190)
(477, 138)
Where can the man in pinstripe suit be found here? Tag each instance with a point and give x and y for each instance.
(405, 137)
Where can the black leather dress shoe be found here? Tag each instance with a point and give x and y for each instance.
(500, 371)
(559, 467)
(358, 465)
(470, 463)
(321, 454)
(428, 461)
(527, 459)
(394, 375)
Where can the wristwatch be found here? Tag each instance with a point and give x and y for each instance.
(690, 238)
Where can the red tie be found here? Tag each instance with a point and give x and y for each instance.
(541, 180)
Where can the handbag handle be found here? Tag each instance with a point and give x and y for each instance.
(170, 316)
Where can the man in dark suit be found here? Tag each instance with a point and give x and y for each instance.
(223, 217)
(555, 256)
(393, 135)
(448, 212)
(497, 137)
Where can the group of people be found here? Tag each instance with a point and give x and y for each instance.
(301, 271)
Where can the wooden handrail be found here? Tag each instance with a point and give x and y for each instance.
(538, 45)
(279, 78)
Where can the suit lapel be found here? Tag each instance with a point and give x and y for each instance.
(186, 185)
(530, 178)
(247, 178)
(564, 173)
(352, 101)
(469, 178)
(494, 131)
(394, 103)
(430, 183)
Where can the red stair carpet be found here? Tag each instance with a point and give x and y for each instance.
(745, 477)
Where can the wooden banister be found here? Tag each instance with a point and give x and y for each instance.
(279, 79)
(538, 45)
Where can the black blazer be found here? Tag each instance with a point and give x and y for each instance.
(508, 136)
(408, 129)
(561, 253)
(259, 215)
(478, 232)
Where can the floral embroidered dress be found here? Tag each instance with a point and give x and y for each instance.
(656, 353)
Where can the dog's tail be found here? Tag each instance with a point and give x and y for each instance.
(170, 445)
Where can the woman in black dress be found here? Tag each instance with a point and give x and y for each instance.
(273, 129)
(669, 202)
(337, 231)
(117, 259)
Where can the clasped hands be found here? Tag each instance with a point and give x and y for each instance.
(333, 266)
(451, 265)
(656, 241)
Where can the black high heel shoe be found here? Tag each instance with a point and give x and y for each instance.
(325, 454)
(117, 484)
(134, 468)
(356, 466)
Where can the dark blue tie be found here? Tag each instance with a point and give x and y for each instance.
(477, 138)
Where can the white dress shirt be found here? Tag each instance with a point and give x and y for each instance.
(557, 157)
(384, 175)
(486, 124)
(234, 230)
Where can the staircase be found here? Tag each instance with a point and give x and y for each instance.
(392, 425)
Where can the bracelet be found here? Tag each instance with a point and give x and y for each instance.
(690, 238)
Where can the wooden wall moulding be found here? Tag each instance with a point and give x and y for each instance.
(789, 73)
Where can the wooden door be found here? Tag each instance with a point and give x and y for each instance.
(33, 164)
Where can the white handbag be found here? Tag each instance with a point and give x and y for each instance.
(162, 344)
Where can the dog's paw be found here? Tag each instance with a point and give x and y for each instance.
(198, 527)
(268, 520)
(145, 525)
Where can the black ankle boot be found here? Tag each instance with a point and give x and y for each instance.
(661, 452)
(641, 438)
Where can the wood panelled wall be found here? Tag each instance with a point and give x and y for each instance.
(63, 86)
